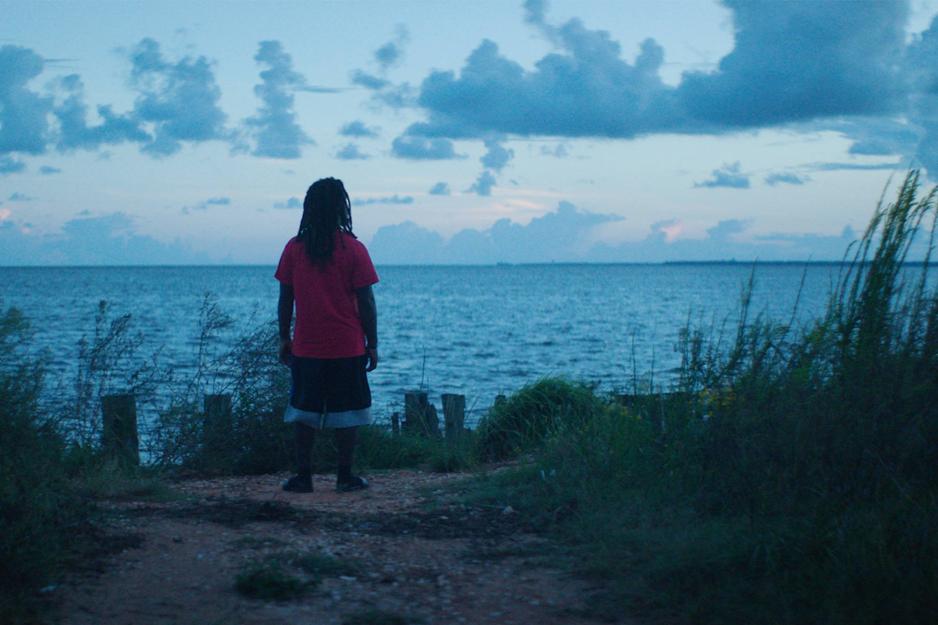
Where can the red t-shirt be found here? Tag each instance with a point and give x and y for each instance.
(327, 321)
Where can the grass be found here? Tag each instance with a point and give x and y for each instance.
(379, 617)
(288, 575)
(788, 479)
(268, 581)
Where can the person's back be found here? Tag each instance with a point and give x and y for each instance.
(328, 274)
(327, 319)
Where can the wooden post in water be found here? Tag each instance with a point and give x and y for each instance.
(454, 415)
(119, 432)
(395, 423)
(217, 423)
(420, 415)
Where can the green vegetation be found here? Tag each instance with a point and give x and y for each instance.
(379, 617)
(268, 581)
(38, 508)
(48, 481)
(289, 575)
(790, 478)
(524, 420)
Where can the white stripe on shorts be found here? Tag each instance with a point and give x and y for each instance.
(320, 420)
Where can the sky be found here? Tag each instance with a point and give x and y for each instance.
(466, 132)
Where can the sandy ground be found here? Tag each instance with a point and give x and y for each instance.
(419, 556)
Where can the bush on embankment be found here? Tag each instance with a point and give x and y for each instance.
(525, 419)
(39, 510)
(791, 479)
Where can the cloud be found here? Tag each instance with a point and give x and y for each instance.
(20, 197)
(562, 234)
(274, 127)
(727, 228)
(386, 56)
(359, 130)
(391, 53)
(855, 166)
(922, 71)
(795, 61)
(568, 234)
(350, 152)
(24, 125)
(74, 131)
(369, 81)
(389, 199)
(724, 241)
(293, 202)
(406, 243)
(496, 156)
(440, 188)
(777, 178)
(48, 170)
(666, 230)
(423, 148)
(205, 204)
(728, 176)
(791, 62)
(587, 89)
(559, 151)
(9, 165)
(877, 136)
(483, 184)
(179, 100)
(106, 240)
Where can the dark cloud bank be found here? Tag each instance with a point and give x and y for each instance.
(104, 240)
(792, 63)
(567, 235)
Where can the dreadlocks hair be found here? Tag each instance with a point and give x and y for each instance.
(326, 209)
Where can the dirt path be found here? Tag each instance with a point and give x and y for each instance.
(404, 551)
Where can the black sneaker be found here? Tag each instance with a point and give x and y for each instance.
(351, 484)
(299, 484)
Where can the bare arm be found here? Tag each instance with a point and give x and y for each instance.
(368, 313)
(284, 318)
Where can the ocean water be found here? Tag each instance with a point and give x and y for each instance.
(479, 331)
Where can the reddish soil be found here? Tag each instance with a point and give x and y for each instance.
(421, 556)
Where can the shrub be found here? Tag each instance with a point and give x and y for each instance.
(529, 416)
(38, 508)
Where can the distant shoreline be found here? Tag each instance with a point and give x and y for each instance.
(667, 263)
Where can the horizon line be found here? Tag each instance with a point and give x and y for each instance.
(932, 263)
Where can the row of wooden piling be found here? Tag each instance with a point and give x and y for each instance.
(119, 438)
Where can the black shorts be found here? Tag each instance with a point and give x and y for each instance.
(329, 392)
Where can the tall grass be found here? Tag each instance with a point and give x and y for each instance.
(790, 477)
(39, 509)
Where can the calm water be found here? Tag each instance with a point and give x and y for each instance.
(479, 331)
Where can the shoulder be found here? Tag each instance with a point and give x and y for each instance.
(351, 242)
(293, 244)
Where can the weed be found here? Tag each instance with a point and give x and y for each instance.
(268, 581)
(379, 617)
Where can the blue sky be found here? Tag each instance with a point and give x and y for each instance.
(172, 132)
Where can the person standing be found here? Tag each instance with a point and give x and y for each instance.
(327, 273)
